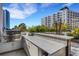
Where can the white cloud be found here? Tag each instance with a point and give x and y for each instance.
(68, 4)
(21, 11)
(16, 13)
(46, 4)
(30, 9)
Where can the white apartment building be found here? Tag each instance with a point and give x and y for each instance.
(75, 23)
(65, 16)
(47, 21)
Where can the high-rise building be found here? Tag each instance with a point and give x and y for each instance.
(6, 19)
(64, 15)
(1, 20)
(4, 22)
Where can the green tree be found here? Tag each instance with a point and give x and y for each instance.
(15, 27)
(51, 30)
(22, 27)
(38, 28)
(41, 28)
(32, 29)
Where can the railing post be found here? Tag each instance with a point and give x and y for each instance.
(68, 48)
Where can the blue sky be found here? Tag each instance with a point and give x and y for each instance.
(31, 14)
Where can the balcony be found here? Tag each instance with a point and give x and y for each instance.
(39, 44)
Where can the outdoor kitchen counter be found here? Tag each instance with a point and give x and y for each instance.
(47, 45)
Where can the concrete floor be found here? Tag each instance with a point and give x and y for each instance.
(19, 52)
(74, 49)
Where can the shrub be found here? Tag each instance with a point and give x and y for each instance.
(74, 33)
(70, 34)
